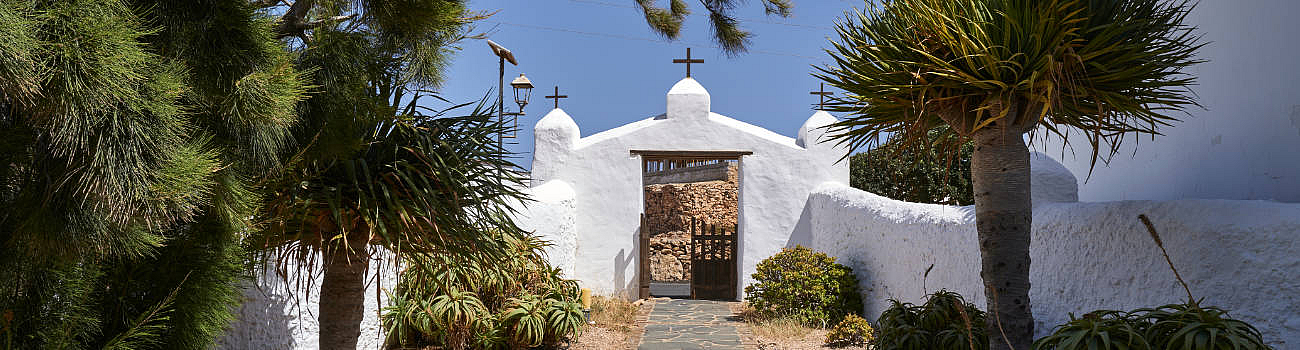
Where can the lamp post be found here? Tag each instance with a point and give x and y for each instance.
(504, 55)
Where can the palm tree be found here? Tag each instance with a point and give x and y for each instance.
(996, 70)
(667, 22)
(376, 168)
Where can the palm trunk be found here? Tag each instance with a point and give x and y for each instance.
(1003, 214)
(342, 294)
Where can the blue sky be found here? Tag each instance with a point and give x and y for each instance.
(615, 70)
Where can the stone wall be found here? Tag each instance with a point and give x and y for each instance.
(669, 209)
(699, 173)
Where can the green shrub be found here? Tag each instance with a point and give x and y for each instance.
(853, 330)
(945, 321)
(1175, 326)
(804, 285)
(916, 172)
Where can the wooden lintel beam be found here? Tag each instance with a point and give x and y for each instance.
(692, 155)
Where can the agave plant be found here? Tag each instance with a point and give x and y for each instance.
(954, 322)
(1097, 330)
(488, 335)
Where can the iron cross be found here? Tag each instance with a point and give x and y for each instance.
(557, 96)
(688, 61)
(821, 96)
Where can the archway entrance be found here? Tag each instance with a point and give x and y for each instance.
(689, 236)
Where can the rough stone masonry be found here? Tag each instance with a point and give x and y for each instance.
(669, 208)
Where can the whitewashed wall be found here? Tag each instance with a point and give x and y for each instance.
(774, 181)
(1245, 144)
(553, 215)
(279, 312)
(1238, 254)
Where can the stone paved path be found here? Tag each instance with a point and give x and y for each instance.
(690, 324)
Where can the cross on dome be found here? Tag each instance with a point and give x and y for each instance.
(821, 96)
(688, 61)
(557, 96)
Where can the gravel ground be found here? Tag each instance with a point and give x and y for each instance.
(620, 328)
(785, 337)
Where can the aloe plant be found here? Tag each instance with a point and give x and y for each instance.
(1194, 327)
(565, 319)
(517, 299)
(944, 321)
(526, 320)
(1097, 330)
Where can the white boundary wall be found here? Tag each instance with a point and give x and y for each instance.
(279, 312)
(1241, 255)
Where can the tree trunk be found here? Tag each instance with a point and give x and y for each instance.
(343, 293)
(1003, 214)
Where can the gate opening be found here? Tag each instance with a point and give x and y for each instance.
(689, 235)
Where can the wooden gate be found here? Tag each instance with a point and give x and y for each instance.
(713, 261)
(713, 248)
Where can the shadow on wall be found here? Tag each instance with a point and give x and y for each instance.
(802, 234)
(264, 318)
(623, 285)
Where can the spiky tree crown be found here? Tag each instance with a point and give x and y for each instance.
(1103, 68)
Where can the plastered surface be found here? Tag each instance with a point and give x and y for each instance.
(279, 310)
(1240, 255)
(774, 181)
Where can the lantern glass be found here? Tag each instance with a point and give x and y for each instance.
(523, 90)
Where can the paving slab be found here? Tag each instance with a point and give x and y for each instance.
(680, 324)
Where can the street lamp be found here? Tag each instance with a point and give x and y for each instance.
(523, 90)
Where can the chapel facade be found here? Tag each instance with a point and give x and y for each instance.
(776, 174)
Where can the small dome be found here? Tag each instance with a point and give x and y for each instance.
(557, 119)
(688, 100)
(813, 127)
